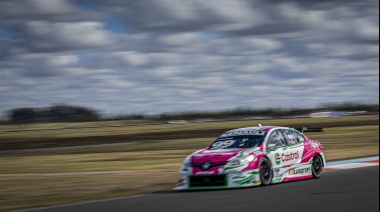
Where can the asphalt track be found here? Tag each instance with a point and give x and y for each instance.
(349, 190)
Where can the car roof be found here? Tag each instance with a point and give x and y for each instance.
(257, 128)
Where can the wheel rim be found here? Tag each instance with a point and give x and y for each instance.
(317, 165)
(265, 170)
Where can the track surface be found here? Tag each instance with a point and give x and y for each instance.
(348, 190)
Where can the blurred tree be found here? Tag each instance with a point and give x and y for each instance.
(72, 113)
(22, 115)
(54, 113)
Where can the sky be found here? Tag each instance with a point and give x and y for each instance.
(155, 56)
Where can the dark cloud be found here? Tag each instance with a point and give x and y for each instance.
(42, 36)
(270, 29)
(18, 11)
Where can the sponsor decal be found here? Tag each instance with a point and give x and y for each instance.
(214, 154)
(276, 172)
(300, 171)
(242, 132)
(290, 156)
(286, 157)
(277, 158)
(205, 172)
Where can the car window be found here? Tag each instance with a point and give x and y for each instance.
(290, 137)
(246, 141)
(299, 137)
(276, 138)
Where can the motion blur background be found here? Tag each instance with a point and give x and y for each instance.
(151, 81)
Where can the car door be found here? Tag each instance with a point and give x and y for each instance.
(274, 147)
(293, 149)
(308, 152)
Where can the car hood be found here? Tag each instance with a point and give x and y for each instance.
(215, 156)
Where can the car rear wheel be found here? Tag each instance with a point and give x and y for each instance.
(266, 174)
(317, 167)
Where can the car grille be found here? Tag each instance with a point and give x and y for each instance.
(211, 164)
(207, 180)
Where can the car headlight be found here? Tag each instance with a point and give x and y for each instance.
(240, 161)
(186, 163)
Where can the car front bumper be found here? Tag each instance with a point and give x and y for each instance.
(231, 179)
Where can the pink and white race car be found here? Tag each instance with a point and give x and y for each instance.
(253, 156)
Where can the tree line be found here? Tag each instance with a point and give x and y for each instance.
(272, 112)
(57, 113)
(67, 113)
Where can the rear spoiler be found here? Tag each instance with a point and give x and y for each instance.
(304, 129)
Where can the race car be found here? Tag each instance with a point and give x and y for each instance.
(253, 156)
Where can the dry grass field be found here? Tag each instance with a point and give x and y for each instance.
(144, 159)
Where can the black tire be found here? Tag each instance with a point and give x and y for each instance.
(317, 167)
(266, 173)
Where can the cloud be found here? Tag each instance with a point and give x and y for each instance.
(18, 11)
(26, 9)
(344, 50)
(43, 36)
(180, 39)
(153, 56)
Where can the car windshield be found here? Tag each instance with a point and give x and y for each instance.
(233, 142)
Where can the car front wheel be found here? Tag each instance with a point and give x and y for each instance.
(266, 174)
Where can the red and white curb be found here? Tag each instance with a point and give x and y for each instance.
(352, 164)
